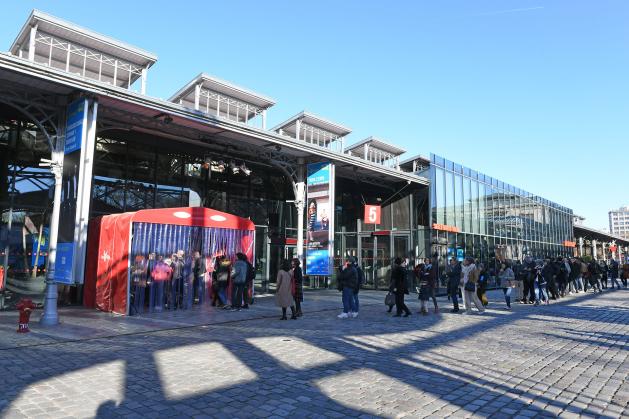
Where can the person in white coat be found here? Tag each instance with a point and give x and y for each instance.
(469, 282)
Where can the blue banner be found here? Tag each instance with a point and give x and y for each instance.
(63, 265)
(319, 219)
(74, 126)
(43, 248)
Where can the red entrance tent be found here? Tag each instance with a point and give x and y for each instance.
(114, 240)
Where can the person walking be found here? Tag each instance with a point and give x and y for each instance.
(199, 276)
(284, 292)
(507, 282)
(454, 279)
(594, 274)
(430, 271)
(223, 277)
(298, 280)
(249, 285)
(399, 287)
(518, 290)
(529, 276)
(347, 282)
(469, 280)
(551, 280)
(421, 277)
(624, 277)
(360, 283)
(239, 279)
(604, 273)
(543, 270)
(613, 273)
(177, 282)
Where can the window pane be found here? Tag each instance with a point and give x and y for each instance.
(449, 190)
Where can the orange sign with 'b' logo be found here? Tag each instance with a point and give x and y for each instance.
(373, 214)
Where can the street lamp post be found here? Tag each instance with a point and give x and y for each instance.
(50, 317)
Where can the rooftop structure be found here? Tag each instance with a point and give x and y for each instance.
(377, 151)
(313, 129)
(50, 41)
(220, 98)
(414, 164)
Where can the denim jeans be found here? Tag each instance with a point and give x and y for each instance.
(356, 303)
(455, 300)
(222, 294)
(348, 300)
(201, 288)
(237, 293)
(156, 296)
(507, 293)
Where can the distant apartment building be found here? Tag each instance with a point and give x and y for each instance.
(619, 222)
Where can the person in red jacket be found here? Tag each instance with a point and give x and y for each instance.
(160, 274)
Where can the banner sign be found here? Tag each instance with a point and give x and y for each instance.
(372, 214)
(320, 218)
(74, 149)
(75, 123)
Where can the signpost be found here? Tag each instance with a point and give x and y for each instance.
(320, 218)
(373, 214)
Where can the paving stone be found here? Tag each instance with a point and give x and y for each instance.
(534, 362)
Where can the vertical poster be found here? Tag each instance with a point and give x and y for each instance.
(320, 218)
(76, 124)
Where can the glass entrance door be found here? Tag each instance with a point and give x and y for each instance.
(367, 260)
(382, 262)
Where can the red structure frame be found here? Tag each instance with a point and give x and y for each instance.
(106, 285)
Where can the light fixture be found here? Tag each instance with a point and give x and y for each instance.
(235, 169)
(244, 169)
(217, 166)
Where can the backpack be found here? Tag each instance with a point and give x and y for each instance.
(251, 272)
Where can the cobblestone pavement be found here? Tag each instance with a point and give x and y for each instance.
(568, 359)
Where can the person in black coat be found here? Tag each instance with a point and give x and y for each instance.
(298, 291)
(347, 283)
(613, 273)
(454, 282)
(399, 288)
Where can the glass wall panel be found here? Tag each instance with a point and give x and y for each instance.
(460, 207)
(449, 199)
(474, 210)
(482, 208)
(467, 201)
(440, 190)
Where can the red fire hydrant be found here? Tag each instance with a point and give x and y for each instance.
(26, 307)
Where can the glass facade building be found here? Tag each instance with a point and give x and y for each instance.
(473, 214)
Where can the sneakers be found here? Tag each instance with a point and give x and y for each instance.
(343, 316)
(354, 315)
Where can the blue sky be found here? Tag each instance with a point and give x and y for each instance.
(533, 92)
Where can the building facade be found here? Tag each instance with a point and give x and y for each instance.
(619, 222)
(209, 145)
(473, 214)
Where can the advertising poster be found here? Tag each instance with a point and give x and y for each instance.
(73, 147)
(319, 218)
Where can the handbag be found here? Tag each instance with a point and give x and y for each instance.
(470, 286)
(389, 299)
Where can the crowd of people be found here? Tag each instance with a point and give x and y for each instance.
(178, 282)
(532, 281)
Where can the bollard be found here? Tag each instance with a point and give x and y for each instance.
(26, 307)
